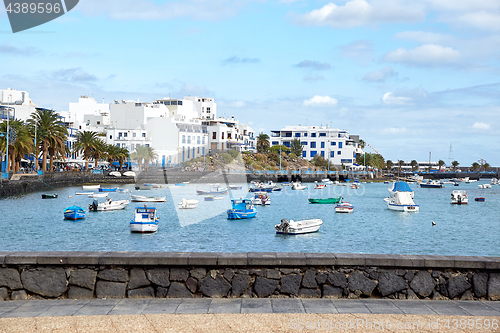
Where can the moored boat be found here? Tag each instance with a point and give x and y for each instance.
(261, 199)
(129, 174)
(344, 207)
(84, 193)
(401, 198)
(108, 189)
(298, 186)
(188, 204)
(115, 174)
(241, 209)
(91, 187)
(145, 220)
(298, 227)
(108, 205)
(431, 184)
(235, 187)
(459, 197)
(143, 198)
(214, 191)
(98, 195)
(143, 188)
(319, 186)
(334, 200)
(480, 199)
(49, 196)
(74, 213)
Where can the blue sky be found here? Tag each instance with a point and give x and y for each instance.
(409, 76)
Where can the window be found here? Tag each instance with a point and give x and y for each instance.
(222, 136)
(143, 135)
(275, 143)
(332, 154)
(179, 102)
(304, 143)
(175, 103)
(287, 144)
(167, 103)
(339, 153)
(333, 143)
(305, 134)
(228, 136)
(304, 154)
(188, 152)
(297, 135)
(133, 135)
(313, 144)
(214, 135)
(354, 154)
(340, 145)
(322, 134)
(208, 109)
(98, 123)
(125, 134)
(183, 139)
(189, 138)
(313, 153)
(313, 135)
(203, 141)
(322, 153)
(322, 144)
(110, 137)
(119, 135)
(198, 150)
(198, 140)
(132, 146)
(118, 145)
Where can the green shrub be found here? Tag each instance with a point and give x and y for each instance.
(292, 156)
(261, 157)
(272, 163)
(226, 157)
(284, 164)
(273, 157)
(234, 153)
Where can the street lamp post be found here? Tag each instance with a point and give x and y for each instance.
(280, 153)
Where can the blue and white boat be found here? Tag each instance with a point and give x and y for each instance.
(74, 213)
(108, 189)
(401, 198)
(145, 220)
(216, 191)
(242, 209)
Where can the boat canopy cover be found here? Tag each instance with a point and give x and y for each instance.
(403, 198)
(401, 187)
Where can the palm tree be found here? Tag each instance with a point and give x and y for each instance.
(455, 164)
(440, 164)
(85, 142)
(362, 143)
(122, 154)
(262, 142)
(143, 153)
(98, 151)
(475, 166)
(389, 164)
(414, 165)
(400, 164)
(20, 143)
(296, 147)
(51, 133)
(486, 166)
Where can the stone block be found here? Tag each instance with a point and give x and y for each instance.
(137, 278)
(457, 285)
(22, 258)
(291, 259)
(76, 292)
(467, 296)
(350, 259)
(492, 263)
(228, 274)
(108, 289)
(4, 293)
(159, 276)
(232, 259)
(423, 283)
(309, 279)
(83, 258)
(240, 283)
(494, 287)
(290, 284)
(273, 274)
(19, 295)
(9, 277)
(118, 258)
(178, 290)
(380, 260)
(174, 259)
(218, 287)
(203, 258)
(321, 277)
(438, 262)
(147, 292)
(331, 292)
(161, 292)
(49, 282)
(390, 283)
(480, 284)
(357, 281)
(192, 284)
(469, 262)
(320, 259)
(178, 274)
(411, 294)
(262, 259)
(198, 273)
(113, 275)
(309, 293)
(337, 279)
(264, 287)
(84, 278)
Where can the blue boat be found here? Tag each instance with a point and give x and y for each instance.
(74, 213)
(109, 189)
(242, 209)
(260, 189)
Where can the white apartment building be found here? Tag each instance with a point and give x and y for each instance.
(226, 134)
(333, 144)
(19, 101)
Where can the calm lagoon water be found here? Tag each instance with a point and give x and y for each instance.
(29, 223)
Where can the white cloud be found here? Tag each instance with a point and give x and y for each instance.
(320, 101)
(424, 55)
(481, 126)
(394, 130)
(380, 75)
(362, 12)
(360, 51)
(390, 98)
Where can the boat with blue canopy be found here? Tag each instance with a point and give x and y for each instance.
(242, 209)
(145, 220)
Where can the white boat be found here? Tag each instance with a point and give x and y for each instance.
(298, 227)
(115, 174)
(123, 190)
(298, 186)
(344, 207)
(154, 185)
(327, 181)
(188, 204)
(91, 187)
(218, 197)
(99, 195)
(84, 193)
(143, 198)
(401, 198)
(107, 205)
(261, 199)
(129, 174)
(145, 220)
(400, 186)
(459, 197)
(319, 186)
(484, 186)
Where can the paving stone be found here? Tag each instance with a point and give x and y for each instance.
(448, 308)
(256, 305)
(199, 305)
(318, 306)
(287, 305)
(381, 306)
(129, 307)
(350, 306)
(413, 307)
(162, 306)
(224, 305)
(290, 259)
(94, 310)
(478, 308)
(61, 310)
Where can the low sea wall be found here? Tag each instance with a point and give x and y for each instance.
(78, 275)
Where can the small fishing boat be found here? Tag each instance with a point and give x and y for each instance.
(115, 174)
(143, 198)
(154, 185)
(108, 189)
(298, 227)
(327, 181)
(49, 196)
(319, 186)
(129, 174)
(84, 193)
(143, 188)
(214, 191)
(74, 213)
(108, 205)
(145, 220)
(91, 187)
(355, 186)
(209, 198)
(344, 207)
(260, 189)
(480, 199)
(334, 200)
(401, 199)
(188, 204)
(285, 183)
(484, 186)
(241, 209)
(123, 190)
(261, 199)
(98, 195)
(218, 197)
(298, 186)
(235, 187)
(431, 184)
(459, 197)
(180, 184)
(277, 189)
